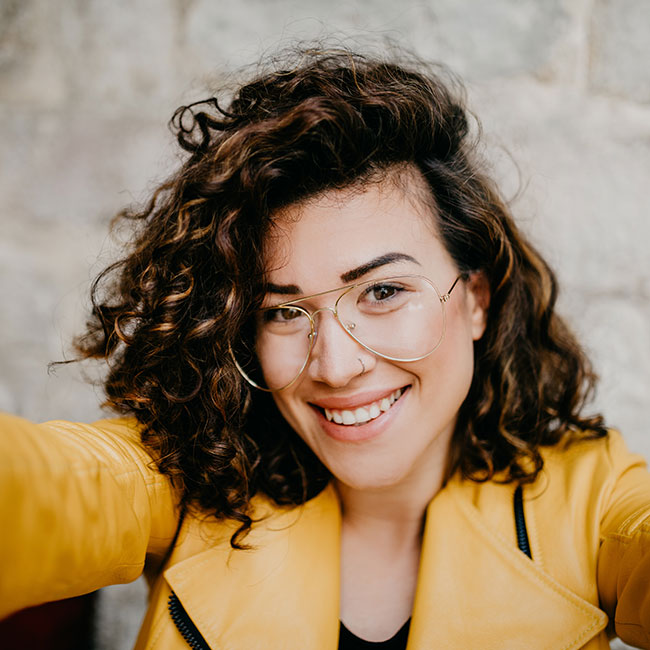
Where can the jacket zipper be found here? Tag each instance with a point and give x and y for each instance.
(185, 625)
(196, 641)
(520, 523)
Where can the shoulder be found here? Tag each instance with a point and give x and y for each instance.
(590, 464)
(594, 488)
(584, 469)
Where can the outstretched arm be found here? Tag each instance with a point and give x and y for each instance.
(81, 506)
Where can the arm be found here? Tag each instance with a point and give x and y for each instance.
(81, 506)
(624, 557)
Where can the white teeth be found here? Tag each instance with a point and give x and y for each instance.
(348, 417)
(363, 413)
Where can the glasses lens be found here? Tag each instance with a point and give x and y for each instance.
(401, 318)
(276, 347)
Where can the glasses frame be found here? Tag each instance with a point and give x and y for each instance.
(313, 331)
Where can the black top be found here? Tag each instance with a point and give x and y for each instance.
(348, 641)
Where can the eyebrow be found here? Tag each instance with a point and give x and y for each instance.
(382, 260)
(348, 276)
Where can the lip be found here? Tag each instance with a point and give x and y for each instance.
(358, 432)
(354, 401)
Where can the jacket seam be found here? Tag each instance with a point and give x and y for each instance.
(630, 526)
(627, 537)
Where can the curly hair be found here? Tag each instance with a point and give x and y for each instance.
(165, 316)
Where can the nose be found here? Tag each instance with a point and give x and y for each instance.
(336, 358)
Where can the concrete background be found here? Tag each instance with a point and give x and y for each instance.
(86, 86)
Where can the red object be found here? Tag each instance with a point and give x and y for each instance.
(61, 625)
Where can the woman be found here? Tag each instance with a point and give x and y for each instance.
(351, 414)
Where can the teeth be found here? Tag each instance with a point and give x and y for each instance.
(361, 415)
(348, 417)
(364, 413)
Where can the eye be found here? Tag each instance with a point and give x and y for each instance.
(281, 315)
(382, 297)
(381, 292)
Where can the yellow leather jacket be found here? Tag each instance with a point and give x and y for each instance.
(83, 507)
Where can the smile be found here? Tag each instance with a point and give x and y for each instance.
(365, 413)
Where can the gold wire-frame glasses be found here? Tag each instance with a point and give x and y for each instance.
(347, 327)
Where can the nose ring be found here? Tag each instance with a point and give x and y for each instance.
(363, 365)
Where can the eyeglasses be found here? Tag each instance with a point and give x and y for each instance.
(400, 318)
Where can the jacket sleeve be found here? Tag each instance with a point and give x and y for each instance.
(624, 557)
(81, 506)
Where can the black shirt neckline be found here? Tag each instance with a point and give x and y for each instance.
(349, 641)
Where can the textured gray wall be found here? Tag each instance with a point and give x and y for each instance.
(86, 87)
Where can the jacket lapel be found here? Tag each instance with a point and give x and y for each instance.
(475, 588)
(478, 590)
(283, 593)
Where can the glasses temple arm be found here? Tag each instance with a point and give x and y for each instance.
(462, 276)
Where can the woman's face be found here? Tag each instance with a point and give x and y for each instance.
(385, 230)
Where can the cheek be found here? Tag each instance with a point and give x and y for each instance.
(448, 374)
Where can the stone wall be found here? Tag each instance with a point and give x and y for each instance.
(562, 88)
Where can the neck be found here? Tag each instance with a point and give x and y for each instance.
(398, 509)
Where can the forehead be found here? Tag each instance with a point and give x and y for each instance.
(325, 236)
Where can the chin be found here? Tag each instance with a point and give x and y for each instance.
(368, 475)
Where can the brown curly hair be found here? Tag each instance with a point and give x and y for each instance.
(165, 315)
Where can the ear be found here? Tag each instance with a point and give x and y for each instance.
(478, 295)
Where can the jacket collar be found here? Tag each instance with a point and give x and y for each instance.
(506, 600)
(283, 593)
(475, 589)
